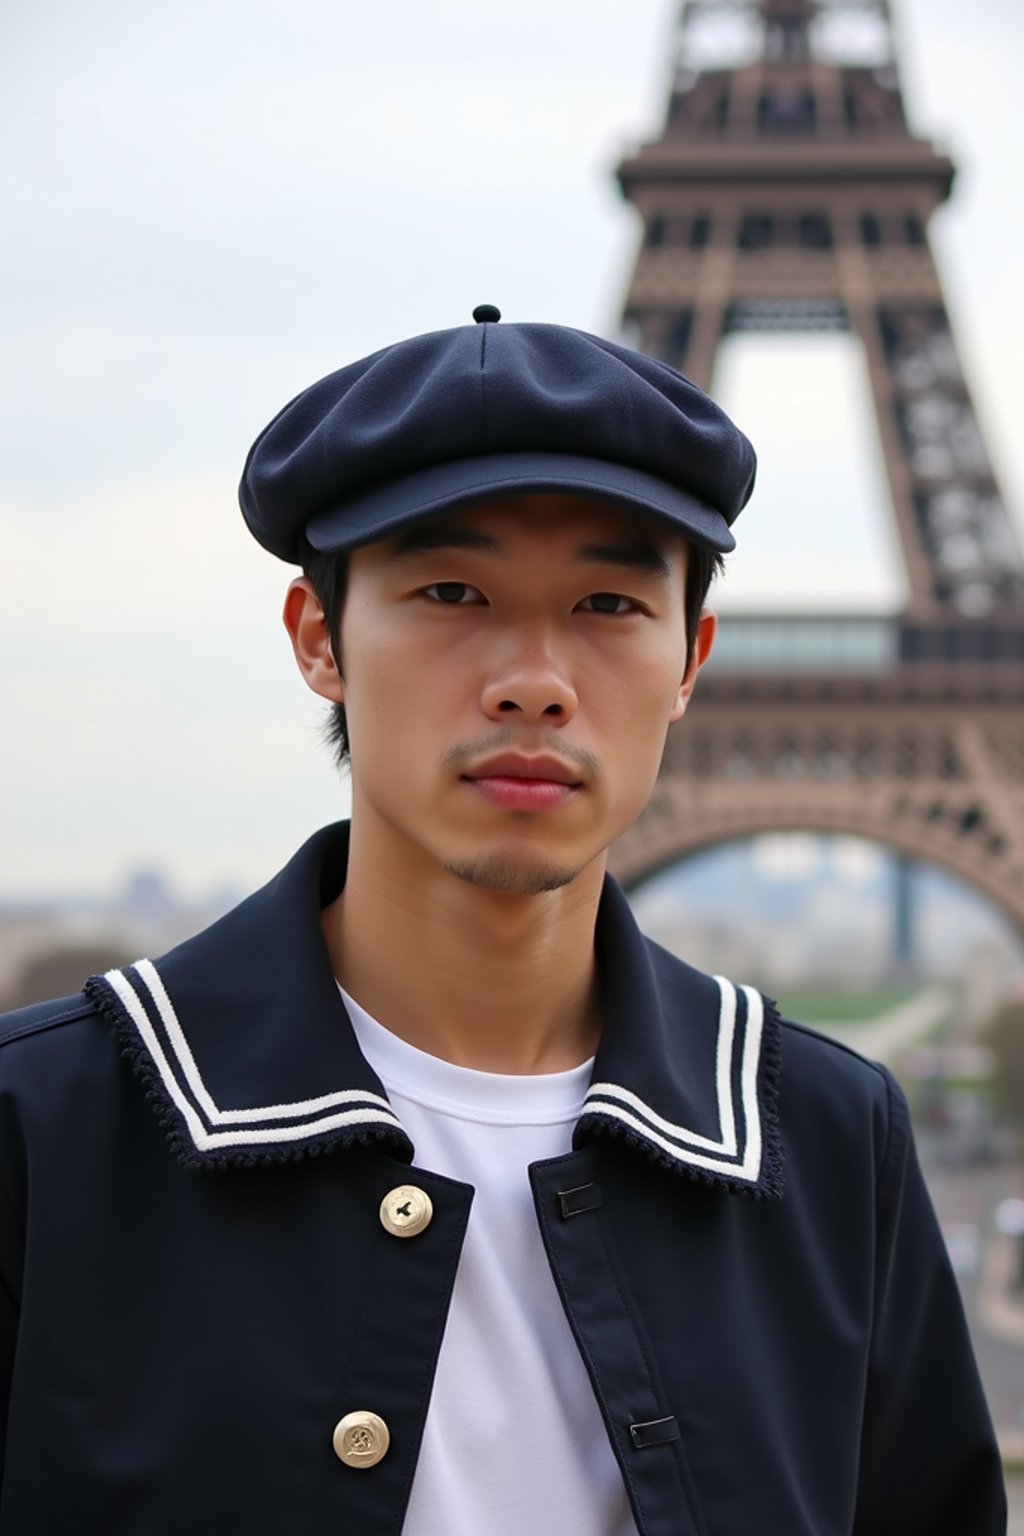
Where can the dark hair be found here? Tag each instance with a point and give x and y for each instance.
(326, 573)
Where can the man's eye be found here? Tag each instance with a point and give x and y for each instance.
(607, 602)
(454, 593)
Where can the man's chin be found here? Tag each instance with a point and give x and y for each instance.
(513, 877)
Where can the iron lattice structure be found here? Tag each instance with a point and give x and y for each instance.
(787, 192)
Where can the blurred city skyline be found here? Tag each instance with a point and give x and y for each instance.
(211, 206)
(785, 910)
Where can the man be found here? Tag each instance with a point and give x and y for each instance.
(510, 1221)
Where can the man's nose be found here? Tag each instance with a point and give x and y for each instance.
(530, 684)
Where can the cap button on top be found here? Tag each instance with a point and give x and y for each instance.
(406, 1211)
(361, 1439)
(487, 314)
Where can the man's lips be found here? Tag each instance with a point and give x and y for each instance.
(513, 765)
(524, 783)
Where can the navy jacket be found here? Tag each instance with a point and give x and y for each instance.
(195, 1284)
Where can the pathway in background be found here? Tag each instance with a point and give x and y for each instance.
(909, 1023)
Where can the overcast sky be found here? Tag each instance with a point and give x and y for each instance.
(210, 203)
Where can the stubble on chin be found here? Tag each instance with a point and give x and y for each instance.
(495, 872)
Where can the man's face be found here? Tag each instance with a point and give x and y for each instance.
(510, 672)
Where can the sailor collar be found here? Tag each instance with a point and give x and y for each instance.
(241, 1039)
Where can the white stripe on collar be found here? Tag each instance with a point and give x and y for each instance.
(616, 1103)
(734, 1155)
(184, 1085)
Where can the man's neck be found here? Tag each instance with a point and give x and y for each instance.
(497, 982)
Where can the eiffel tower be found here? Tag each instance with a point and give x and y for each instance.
(787, 192)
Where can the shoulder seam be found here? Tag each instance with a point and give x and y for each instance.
(36, 1026)
(896, 1109)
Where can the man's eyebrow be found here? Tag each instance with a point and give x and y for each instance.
(632, 554)
(636, 555)
(435, 536)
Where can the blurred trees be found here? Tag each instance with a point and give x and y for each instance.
(61, 971)
(1005, 1038)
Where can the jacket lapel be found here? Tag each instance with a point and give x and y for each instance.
(688, 1067)
(240, 1034)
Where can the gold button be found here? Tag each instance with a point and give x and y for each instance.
(361, 1439)
(406, 1211)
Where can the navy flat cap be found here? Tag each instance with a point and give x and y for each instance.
(459, 416)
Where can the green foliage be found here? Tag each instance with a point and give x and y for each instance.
(818, 1007)
(1005, 1038)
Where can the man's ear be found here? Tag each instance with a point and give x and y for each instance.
(700, 650)
(306, 624)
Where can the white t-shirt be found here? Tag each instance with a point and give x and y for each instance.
(514, 1443)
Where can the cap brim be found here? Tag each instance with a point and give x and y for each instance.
(385, 509)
